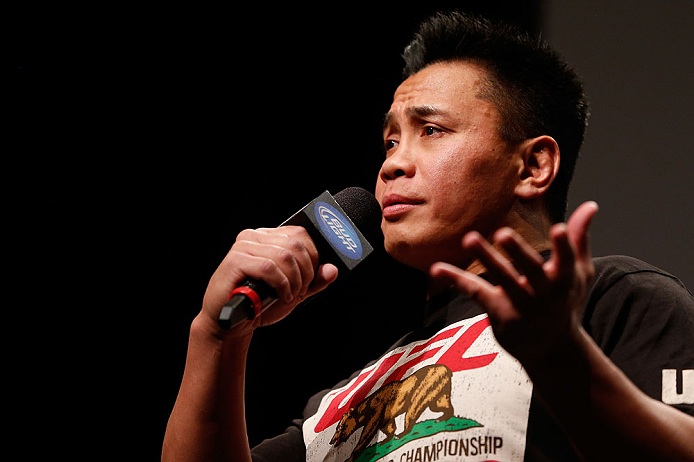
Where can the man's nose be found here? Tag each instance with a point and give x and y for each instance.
(399, 163)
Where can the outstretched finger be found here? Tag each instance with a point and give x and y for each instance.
(525, 258)
(577, 228)
(471, 285)
(498, 267)
(560, 268)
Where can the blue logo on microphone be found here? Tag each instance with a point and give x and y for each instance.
(337, 229)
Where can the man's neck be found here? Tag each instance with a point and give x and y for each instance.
(532, 227)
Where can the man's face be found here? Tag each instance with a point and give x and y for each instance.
(446, 171)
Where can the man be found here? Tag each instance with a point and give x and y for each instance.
(480, 143)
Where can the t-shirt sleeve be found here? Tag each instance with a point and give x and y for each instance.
(644, 322)
(289, 446)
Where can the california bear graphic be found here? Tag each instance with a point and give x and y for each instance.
(428, 387)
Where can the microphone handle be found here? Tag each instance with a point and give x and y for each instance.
(248, 300)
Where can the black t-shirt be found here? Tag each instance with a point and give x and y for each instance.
(448, 391)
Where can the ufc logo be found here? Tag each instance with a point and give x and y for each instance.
(451, 344)
(670, 393)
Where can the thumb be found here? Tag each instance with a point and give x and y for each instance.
(325, 275)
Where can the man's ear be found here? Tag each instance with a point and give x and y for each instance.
(540, 166)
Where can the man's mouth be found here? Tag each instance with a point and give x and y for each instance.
(395, 205)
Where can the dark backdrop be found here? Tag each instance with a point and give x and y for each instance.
(636, 160)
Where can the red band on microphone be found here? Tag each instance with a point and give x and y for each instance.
(250, 293)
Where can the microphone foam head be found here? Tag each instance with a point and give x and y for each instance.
(364, 211)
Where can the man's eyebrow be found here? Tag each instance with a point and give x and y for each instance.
(415, 112)
(425, 111)
(387, 119)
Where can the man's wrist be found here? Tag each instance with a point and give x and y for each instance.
(205, 330)
(567, 358)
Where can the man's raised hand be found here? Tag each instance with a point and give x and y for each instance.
(535, 305)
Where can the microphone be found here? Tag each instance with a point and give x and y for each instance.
(342, 229)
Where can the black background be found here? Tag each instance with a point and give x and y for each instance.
(148, 138)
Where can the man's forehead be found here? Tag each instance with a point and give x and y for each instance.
(439, 89)
(442, 77)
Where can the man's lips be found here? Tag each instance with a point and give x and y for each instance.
(395, 205)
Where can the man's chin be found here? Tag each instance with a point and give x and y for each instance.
(408, 254)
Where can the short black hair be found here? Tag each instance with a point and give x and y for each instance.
(535, 91)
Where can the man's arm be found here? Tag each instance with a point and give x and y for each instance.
(208, 419)
(535, 313)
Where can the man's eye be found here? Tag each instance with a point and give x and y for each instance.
(390, 144)
(429, 130)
